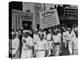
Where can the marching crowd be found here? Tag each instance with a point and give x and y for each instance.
(54, 41)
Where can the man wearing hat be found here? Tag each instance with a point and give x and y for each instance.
(27, 45)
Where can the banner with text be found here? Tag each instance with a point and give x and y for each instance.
(49, 18)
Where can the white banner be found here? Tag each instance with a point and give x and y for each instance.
(49, 18)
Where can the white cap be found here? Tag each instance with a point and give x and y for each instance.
(40, 33)
(24, 31)
(36, 29)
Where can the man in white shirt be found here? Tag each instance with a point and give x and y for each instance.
(74, 40)
(48, 38)
(36, 36)
(15, 45)
(36, 39)
(41, 47)
(27, 48)
(65, 36)
(69, 41)
(57, 42)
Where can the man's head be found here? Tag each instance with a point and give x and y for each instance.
(68, 28)
(26, 33)
(41, 29)
(41, 36)
(36, 31)
(59, 30)
(13, 34)
(49, 30)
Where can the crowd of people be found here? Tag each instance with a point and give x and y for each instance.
(53, 41)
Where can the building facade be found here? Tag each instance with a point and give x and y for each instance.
(28, 18)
